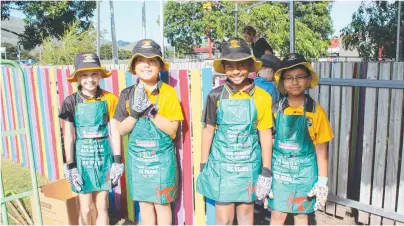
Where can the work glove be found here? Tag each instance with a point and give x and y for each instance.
(116, 171)
(141, 103)
(73, 176)
(264, 185)
(320, 190)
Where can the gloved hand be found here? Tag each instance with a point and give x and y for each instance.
(264, 185)
(141, 103)
(201, 166)
(66, 173)
(116, 171)
(73, 176)
(320, 190)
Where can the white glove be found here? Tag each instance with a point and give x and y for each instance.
(72, 175)
(264, 185)
(320, 190)
(116, 172)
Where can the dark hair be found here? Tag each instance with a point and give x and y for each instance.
(157, 58)
(296, 67)
(249, 30)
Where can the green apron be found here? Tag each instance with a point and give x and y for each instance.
(294, 164)
(153, 173)
(92, 151)
(235, 158)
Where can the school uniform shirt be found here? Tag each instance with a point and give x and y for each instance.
(69, 104)
(262, 102)
(259, 47)
(169, 105)
(318, 125)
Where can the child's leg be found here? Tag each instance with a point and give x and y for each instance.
(164, 215)
(224, 213)
(245, 213)
(101, 203)
(301, 219)
(86, 204)
(147, 213)
(278, 218)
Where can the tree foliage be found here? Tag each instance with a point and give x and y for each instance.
(187, 25)
(106, 53)
(48, 18)
(62, 51)
(12, 52)
(373, 29)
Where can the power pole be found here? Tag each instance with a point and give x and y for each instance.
(144, 18)
(162, 26)
(398, 32)
(292, 27)
(98, 29)
(114, 46)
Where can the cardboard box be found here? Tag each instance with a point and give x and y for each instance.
(59, 204)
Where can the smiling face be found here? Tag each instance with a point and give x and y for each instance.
(237, 71)
(296, 81)
(89, 80)
(147, 69)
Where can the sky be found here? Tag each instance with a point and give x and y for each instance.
(128, 18)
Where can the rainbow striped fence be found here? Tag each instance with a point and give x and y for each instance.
(47, 87)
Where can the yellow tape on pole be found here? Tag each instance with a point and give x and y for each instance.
(196, 106)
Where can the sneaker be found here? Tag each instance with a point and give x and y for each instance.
(258, 206)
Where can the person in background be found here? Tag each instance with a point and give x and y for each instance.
(265, 76)
(259, 45)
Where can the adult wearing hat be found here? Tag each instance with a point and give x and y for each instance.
(265, 76)
(232, 159)
(92, 162)
(299, 158)
(150, 113)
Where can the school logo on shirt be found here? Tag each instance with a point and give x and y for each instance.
(309, 121)
(234, 44)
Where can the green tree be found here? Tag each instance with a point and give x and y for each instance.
(48, 18)
(373, 29)
(188, 25)
(73, 41)
(12, 52)
(106, 52)
(124, 54)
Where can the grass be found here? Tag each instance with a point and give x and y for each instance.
(17, 179)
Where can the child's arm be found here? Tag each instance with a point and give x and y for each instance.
(322, 159)
(266, 147)
(115, 137)
(68, 138)
(165, 125)
(207, 137)
(126, 126)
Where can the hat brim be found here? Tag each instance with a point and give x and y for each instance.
(104, 73)
(314, 76)
(166, 66)
(218, 65)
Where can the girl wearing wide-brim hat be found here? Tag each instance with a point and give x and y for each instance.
(93, 163)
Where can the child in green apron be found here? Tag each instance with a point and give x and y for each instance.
(232, 159)
(150, 113)
(299, 157)
(91, 165)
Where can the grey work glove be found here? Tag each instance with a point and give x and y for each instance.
(264, 184)
(116, 171)
(141, 103)
(320, 190)
(72, 174)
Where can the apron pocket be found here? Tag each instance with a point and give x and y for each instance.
(237, 183)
